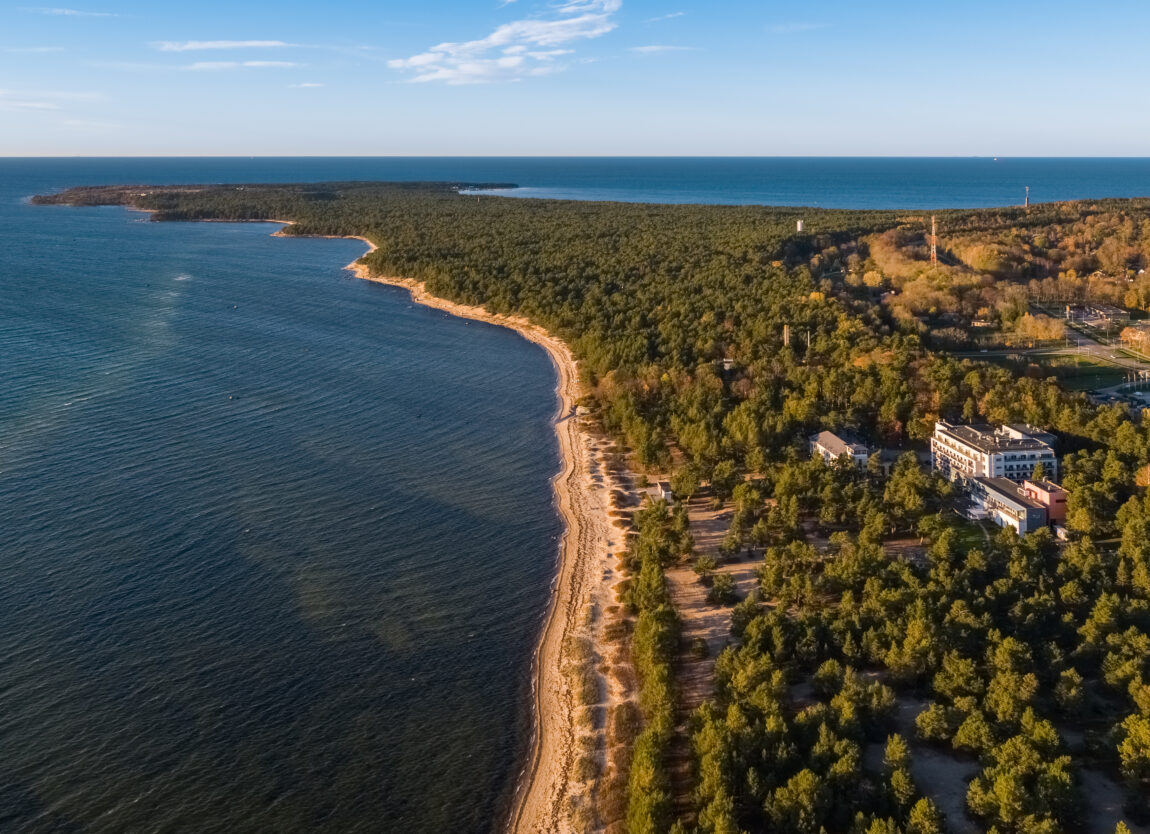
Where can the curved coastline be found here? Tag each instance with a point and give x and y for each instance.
(583, 581)
(538, 803)
(541, 793)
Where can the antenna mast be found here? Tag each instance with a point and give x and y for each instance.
(933, 241)
(1027, 199)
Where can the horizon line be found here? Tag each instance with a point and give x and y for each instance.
(564, 156)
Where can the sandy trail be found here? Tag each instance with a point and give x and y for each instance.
(551, 796)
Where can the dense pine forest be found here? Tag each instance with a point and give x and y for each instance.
(713, 340)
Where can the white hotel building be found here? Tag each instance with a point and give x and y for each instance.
(983, 451)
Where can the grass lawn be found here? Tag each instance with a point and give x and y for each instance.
(1074, 372)
(971, 536)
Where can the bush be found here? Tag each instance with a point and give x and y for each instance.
(722, 590)
(705, 567)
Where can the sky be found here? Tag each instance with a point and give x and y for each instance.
(575, 78)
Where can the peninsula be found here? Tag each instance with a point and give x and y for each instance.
(775, 610)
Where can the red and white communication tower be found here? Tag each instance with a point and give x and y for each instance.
(933, 241)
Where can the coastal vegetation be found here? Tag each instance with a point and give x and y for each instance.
(712, 341)
(659, 542)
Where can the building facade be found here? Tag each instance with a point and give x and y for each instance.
(1023, 507)
(1050, 495)
(983, 451)
(1006, 503)
(830, 447)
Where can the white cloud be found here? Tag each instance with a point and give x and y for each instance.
(670, 16)
(794, 28)
(188, 46)
(507, 54)
(43, 99)
(226, 65)
(305, 85)
(655, 48)
(40, 100)
(65, 12)
(18, 104)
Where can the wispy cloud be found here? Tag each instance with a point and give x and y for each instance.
(670, 16)
(656, 48)
(226, 65)
(191, 46)
(64, 12)
(521, 49)
(41, 100)
(305, 85)
(48, 96)
(22, 104)
(794, 28)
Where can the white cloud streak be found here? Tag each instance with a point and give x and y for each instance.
(521, 49)
(191, 46)
(307, 85)
(41, 100)
(670, 16)
(58, 95)
(64, 12)
(18, 104)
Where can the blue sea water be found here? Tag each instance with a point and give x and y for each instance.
(858, 183)
(275, 544)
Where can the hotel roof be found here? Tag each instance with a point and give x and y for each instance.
(1006, 489)
(985, 438)
(1046, 484)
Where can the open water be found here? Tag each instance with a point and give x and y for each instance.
(275, 544)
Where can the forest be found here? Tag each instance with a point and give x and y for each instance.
(712, 341)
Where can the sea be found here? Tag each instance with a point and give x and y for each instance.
(276, 544)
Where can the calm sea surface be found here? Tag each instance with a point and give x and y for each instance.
(919, 183)
(275, 544)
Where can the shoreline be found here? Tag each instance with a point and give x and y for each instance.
(549, 793)
(545, 785)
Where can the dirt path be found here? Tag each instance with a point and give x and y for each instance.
(701, 620)
(939, 774)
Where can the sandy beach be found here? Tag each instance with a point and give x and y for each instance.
(552, 795)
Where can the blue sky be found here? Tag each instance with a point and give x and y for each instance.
(575, 77)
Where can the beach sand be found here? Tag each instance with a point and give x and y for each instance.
(554, 793)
